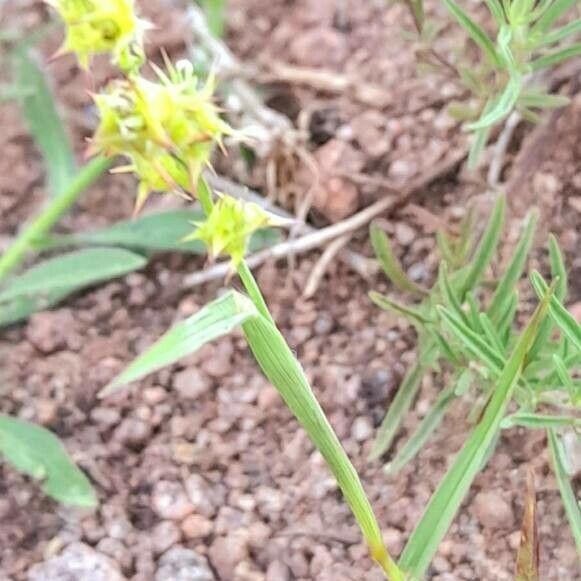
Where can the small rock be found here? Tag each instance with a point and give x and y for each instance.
(170, 501)
(404, 234)
(164, 535)
(132, 432)
(200, 495)
(181, 564)
(106, 416)
(493, 511)
(268, 398)
(52, 330)
(219, 363)
(362, 429)
(191, 383)
(225, 553)
(278, 571)
(78, 561)
(196, 526)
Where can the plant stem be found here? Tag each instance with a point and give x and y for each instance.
(42, 224)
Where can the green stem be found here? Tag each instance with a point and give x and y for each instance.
(50, 215)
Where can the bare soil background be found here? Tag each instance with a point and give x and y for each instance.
(203, 459)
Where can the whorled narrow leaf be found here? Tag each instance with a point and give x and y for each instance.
(503, 292)
(479, 141)
(447, 498)
(472, 341)
(527, 559)
(497, 11)
(45, 125)
(414, 315)
(402, 402)
(539, 421)
(519, 10)
(562, 318)
(389, 262)
(559, 461)
(485, 250)
(503, 105)
(212, 321)
(40, 454)
(73, 270)
(565, 378)
(476, 33)
(542, 100)
(554, 58)
(449, 294)
(424, 430)
(491, 333)
(562, 33)
(551, 13)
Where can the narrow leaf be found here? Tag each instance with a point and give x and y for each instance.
(562, 33)
(556, 57)
(283, 370)
(503, 293)
(425, 429)
(564, 320)
(390, 264)
(40, 111)
(402, 402)
(497, 11)
(552, 12)
(502, 106)
(486, 248)
(214, 320)
(559, 461)
(449, 495)
(474, 31)
(415, 316)
(21, 307)
(74, 270)
(40, 454)
(163, 231)
(538, 421)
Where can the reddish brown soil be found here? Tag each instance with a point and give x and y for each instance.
(204, 455)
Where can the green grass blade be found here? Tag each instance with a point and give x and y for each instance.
(425, 429)
(479, 141)
(476, 33)
(390, 264)
(40, 111)
(554, 58)
(283, 370)
(559, 461)
(449, 293)
(503, 293)
(214, 320)
(564, 377)
(73, 270)
(40, 454)
(447, 498)
(486, 248)
(402, 402)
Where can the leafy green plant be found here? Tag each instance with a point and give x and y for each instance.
(38, 453)
(473, 338)
(166, 129)
(527, 39)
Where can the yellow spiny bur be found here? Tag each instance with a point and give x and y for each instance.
(166, 128)
(102, 26)
(229, 226)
